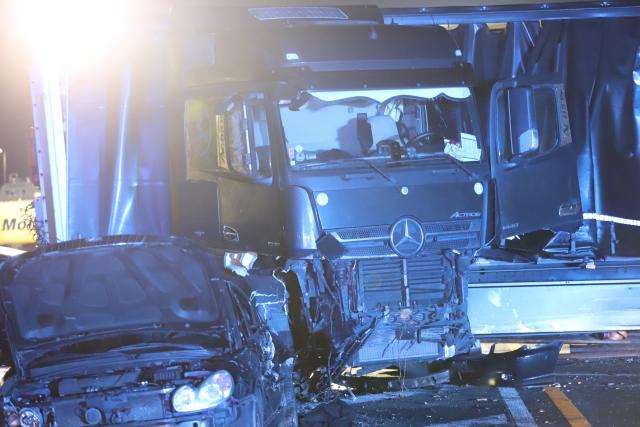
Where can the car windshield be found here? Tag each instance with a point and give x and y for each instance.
(325, 128)
(119, 287)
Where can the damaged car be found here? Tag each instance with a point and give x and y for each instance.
(137, 331)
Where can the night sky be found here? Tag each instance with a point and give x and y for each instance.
(15, 104)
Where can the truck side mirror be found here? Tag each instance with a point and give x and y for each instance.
(522, 121)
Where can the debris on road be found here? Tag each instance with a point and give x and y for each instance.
(525, 366)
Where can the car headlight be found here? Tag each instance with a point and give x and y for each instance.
(30, 417)
(209, 394)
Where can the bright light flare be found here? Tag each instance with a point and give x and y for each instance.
(70, 31)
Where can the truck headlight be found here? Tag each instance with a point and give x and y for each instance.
(212, 392)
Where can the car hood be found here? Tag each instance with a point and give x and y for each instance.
(55, 296)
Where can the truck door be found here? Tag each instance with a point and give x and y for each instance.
(533, 160)
(228, 145)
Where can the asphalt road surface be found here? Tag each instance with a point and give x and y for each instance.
(599, 392)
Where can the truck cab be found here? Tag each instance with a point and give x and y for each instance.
(361, 158)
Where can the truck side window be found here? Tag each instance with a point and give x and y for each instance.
(249, 148)
(261, 141)
(530, 122)
(204, 135)
(227, 135)
(237, 139)
(546, 118)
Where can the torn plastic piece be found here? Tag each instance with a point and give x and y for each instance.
(332, 413)
(449, 351)
(615, 335)
(240, 263)
(564, 244)
(385, 383)
(330, 247)
(525, 366)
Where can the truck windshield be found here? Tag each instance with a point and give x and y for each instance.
(325, 128)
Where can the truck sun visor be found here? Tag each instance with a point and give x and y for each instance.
(386, 94)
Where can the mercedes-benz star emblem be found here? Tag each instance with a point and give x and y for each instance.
(407, 237)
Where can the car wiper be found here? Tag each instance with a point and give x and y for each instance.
(55, 356)
(125, 352)
(66, 344)
(156, 345)
(441, 155)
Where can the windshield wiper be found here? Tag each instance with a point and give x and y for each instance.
(156, 345)
(55, 356)
(452, 159)
(124, 352)
(377, 169)
(367, 162)
(72, 343)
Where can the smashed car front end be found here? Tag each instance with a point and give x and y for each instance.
(124, 331)
(139, 403)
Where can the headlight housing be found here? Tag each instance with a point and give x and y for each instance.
(30, 417)
(209, 394)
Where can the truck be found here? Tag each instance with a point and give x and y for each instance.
(366, 163)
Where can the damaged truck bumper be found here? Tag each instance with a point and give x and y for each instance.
(376, 313)
(522, 367)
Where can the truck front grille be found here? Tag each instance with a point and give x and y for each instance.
(387, 283)
(383, 280)
(425, 276)
(383, 346)
(361, 233)
(446, 227)
(373, 242)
